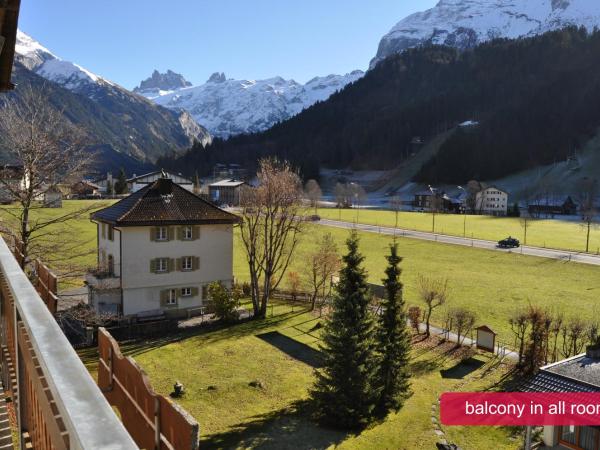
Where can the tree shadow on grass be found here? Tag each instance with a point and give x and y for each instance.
(288, 428)
(462, 369)
(293, 348)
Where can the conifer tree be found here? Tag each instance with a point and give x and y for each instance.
(121, 183)
(345, 391)
(393, 339)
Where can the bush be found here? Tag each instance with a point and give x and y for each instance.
(225, 301)
(414, 316)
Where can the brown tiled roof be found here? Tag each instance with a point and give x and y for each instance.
(163, 203)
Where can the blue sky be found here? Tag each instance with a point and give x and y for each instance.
(124, 40)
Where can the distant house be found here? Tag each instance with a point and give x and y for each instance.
(103, 184)
(226, 192)
(577, 374)
(556, 206)
(158, 250)
(13, 180)
(85, 189)
(136, 183)
(491, 201)
(438, 200)
(52, 197)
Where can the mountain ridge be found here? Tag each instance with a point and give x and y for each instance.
(466, 23)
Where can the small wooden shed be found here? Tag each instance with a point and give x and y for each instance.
(53, 198)
(486, 338)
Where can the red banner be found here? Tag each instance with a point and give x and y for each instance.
(520, 409)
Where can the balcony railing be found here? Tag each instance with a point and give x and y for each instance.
(57, 403)
(102, 279)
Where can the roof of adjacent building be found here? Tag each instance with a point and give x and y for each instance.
(157, 172)
(577, 374)
(9, 16)
(163, 202)
(227, 183)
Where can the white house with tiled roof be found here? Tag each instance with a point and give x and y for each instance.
(158, 250)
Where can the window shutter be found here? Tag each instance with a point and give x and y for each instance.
(153, 266)
(152, 233)
(179, 264)
(195, 232)
(205, 292)
(180, 231)
(164, 295)
(103, 231)
(195, 262)
(170, 233)
(194, 292)
(170, 264)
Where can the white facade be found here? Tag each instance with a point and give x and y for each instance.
(146, 273)
(491, 201)
(136, 183)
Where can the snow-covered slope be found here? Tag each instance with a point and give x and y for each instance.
(147, 132)
(228, 107)
(466, 23)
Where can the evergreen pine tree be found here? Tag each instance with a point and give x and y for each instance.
(345, 390)
(393, 339)
(121, 183)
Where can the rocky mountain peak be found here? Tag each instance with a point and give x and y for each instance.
(217, 78)
(168, 81)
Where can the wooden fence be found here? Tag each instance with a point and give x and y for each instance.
(46, 283)
(152, 420)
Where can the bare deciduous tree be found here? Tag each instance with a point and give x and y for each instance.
(463, 321)
(588, 195)
(323, 264)
(46, 150)
(270, 229)
(434, 292)
(519, 324)
(313, 193)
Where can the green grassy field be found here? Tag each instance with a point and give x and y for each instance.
(492, 284)
(232, 414)
(540, 233)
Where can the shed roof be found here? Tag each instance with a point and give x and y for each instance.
(227, 183)
(163, 202)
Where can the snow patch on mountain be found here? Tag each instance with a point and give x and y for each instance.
(227, 107)
(466, 23)
(161, 84)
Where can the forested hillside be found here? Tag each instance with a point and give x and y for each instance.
(536, 101)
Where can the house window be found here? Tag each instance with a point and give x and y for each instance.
(111, 233)
(188, 233)
(186, 292)
(162, 265)
(162, 234)
(172, 297)
(187, 263)
(111, 265)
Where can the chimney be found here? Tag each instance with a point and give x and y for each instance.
(593, 351)
(165, 186)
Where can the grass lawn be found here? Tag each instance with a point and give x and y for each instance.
(216, 367)
(492, 284)
(80, 238)
(558, 234)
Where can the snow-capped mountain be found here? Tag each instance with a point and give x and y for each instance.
(131, 107)
(228, 107)
(466, 23)
(161, 84)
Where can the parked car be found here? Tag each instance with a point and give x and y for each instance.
(509, 242)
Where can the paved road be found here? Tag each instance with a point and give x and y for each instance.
(583, 258)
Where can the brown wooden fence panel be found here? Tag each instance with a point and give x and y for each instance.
(151, 419)
(46, 283)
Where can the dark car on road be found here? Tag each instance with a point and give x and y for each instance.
(509, 242)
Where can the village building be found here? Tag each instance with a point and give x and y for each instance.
(555, 206)
(439, 201)
(158, 250)
(577, 374)
(136, 183)
(13, 180)
(85, 189)
(53, 197)
(491, 201)
(226, 192)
